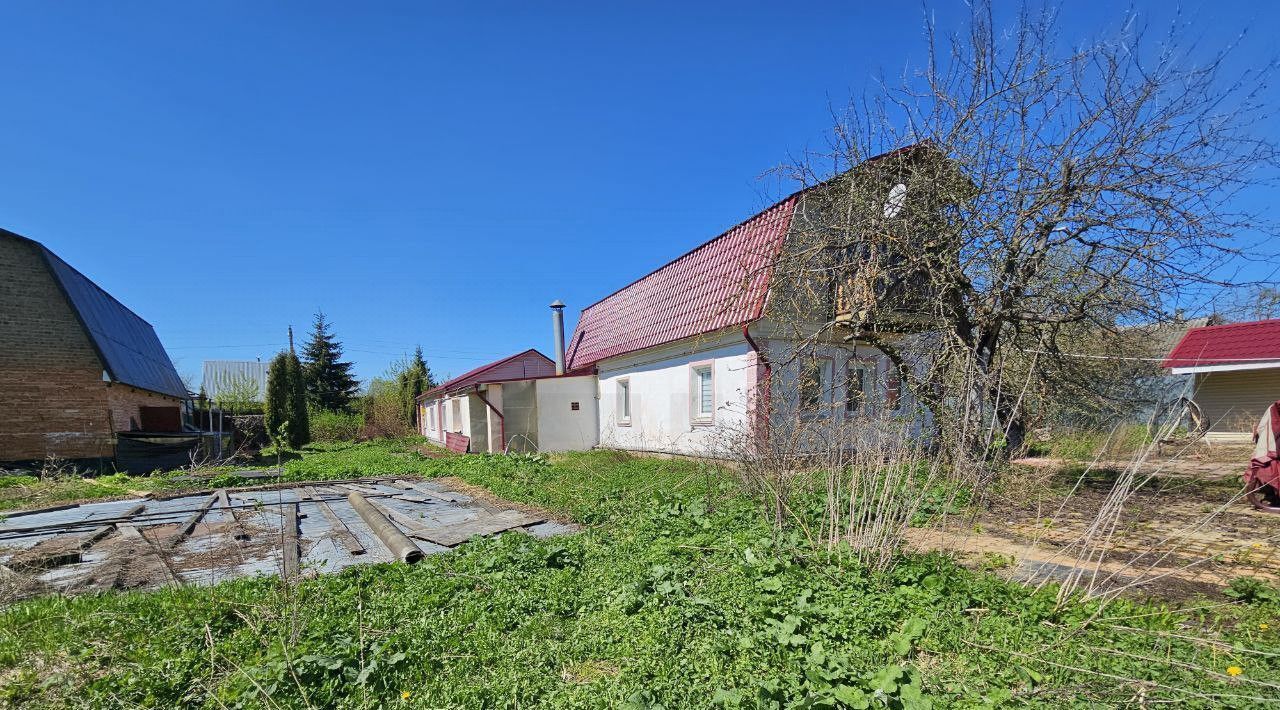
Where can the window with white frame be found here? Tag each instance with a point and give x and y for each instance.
(431, 417)
(702, 393)
(624, 401)
(457, 414)
(813, 385)
(855, 393)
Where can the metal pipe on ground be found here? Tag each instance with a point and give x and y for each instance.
(396, 542)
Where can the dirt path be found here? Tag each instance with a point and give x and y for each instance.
(1185, 532)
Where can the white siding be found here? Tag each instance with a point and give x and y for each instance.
(1234, 401)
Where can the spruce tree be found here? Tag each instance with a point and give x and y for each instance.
(285, 409)
(329, 383)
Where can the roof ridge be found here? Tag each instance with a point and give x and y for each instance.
(484, 368)
(1260, 321)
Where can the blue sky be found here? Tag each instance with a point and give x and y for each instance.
(425, 173)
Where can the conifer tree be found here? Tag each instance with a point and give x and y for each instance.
(285, 409)
(414, 379)
(299, 426)
(329, 383)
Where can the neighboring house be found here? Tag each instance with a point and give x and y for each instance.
(1237, 374)
(687, 359)
(76, 366)
(241, 380)
(515, 404)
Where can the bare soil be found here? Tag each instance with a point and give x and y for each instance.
(1186, 532)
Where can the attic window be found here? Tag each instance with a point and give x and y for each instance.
(897, 198)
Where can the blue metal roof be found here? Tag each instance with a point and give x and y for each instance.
(131, 352)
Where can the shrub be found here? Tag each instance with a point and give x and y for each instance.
(329, 427)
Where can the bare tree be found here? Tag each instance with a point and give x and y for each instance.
(1047, 199)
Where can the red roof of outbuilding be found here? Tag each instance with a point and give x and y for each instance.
(521, 366)
(1256, 341)
(719, 284)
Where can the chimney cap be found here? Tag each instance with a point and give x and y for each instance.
(557, 304)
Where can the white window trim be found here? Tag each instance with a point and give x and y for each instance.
(696, 416)
(623, 403)
(868, 368)
(826, 391)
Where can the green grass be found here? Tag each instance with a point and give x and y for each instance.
(676, 594)
(1086, 445)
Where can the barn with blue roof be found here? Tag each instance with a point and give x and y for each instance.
(77, 367)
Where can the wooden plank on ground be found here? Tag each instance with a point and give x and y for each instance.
(485, 525)
(133, 534)
(238, 531)
(190, 523)
(66, 549)
(289, 541)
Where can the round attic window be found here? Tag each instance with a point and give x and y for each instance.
(897, 198)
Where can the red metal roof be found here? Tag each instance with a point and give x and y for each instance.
(1256, 341)
(720, 284)
(521, 366)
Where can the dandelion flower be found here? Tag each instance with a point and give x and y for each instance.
(1264, 626)
(404, 694)
(1234, 671)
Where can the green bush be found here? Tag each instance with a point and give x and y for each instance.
(329, 427)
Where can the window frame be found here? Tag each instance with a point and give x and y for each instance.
(893, 386)
(623, 401)
(866, 370)
(696, 416)
(826, 393)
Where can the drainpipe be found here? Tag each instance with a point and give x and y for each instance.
(502, 422)
(557, 331)
(763, 393)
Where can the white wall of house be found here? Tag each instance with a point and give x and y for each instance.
(493, 393)
(450, 414)
(561, 426)
(662, 383)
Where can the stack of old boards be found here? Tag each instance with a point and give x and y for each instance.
(210, 536)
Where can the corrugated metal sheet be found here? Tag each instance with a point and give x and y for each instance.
(220, 374)
(720, 284)
(520, 366)
(1224, 344)
(128, 346)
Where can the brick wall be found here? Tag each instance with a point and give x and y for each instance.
(52, 397)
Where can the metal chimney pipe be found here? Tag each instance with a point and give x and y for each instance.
(557, 330)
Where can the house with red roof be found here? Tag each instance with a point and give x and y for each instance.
(518, 403)
(687, 359)
(1236, 367)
